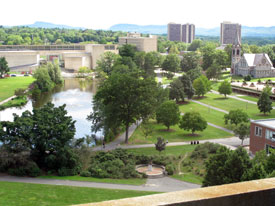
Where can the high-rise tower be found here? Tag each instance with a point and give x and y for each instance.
(229, 32)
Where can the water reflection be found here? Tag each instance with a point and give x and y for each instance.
(77, 94)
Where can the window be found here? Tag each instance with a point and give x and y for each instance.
(258, 131)
(268, 148)
(270, 135)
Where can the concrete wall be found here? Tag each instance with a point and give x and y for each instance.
(146, 44)
(19, 58)
(252, 193)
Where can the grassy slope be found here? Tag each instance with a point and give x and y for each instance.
(231, 104)
(211, 115)
(169, 150)
(25, 194)
(189, 177)
(175, 134)
(94, 179)
(9, 85)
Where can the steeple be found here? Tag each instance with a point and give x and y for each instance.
(236, 52)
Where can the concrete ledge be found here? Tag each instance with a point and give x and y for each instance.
(252, 193)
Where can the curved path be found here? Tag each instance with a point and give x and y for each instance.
(165, 184)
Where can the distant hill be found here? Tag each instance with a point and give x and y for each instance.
(162, 29)
(47, 25)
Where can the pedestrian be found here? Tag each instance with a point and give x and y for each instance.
(103, 144)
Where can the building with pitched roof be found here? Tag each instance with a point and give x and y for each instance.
(255, 65)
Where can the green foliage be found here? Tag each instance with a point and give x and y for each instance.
(190, 60)
(161, 144)
(187, 86)
(85, 174)
(170, 169)
(236, 117)
(176, 90)
(247, 78)
(106, 62)
(208, 55)
(168, 114)
(171, 63)
(135, 96)
(45, 135)
(264, 103)
(19, 92)
(194, 73)
(242, 131)
(4, 68)
(195, 45)
(201, 85)
(225, 88)
(193, 121)
(114, 164)
(127, 50)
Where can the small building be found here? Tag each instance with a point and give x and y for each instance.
(262, 135)
(146, 44)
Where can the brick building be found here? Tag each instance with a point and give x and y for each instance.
(262, 135)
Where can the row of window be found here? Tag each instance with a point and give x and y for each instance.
(270, 135)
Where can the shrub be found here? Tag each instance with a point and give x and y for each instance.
(66, 172)
(247, 78)
(19, 92)
(169, 75)
(85, 173)
(170, 169)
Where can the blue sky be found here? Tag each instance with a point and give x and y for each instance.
(101, 14)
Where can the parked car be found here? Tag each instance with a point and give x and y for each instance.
(13, 75)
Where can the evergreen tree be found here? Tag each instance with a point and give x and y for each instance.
(264, 103)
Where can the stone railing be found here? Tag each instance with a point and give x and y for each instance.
(251, 193)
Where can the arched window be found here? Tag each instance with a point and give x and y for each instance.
(238, 52)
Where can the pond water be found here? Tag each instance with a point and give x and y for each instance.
(76, 93)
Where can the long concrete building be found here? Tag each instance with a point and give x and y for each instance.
(26, 57)
(146, 44)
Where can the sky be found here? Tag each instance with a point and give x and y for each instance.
(101, 14)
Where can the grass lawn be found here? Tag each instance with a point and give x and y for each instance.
(228, 104)
(132, 181)
(175, 134)
(10, 84)
(169, 150)
(189, 177)
(250, 98)
(26, 194)
(211, 115)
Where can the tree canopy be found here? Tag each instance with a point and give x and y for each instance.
(4, 68)
(193, 121)
(225, 88)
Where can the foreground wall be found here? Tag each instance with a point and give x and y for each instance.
(20, 58)
(252, 193)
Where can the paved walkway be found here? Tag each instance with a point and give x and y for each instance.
(165, 184)
(6, 100)
(207, 105)
(238, 98)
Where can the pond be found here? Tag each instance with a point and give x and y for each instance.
(76, 93)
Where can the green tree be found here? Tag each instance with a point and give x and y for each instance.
(106, 62)
(225, 88)
(4, 68)
(161, 144)
(127, 50)
(187, 86)
(236, 117)
(194, 73)
(46, 133)
(173, 49)
(213, 72)
(176, 90)
(221, 59)
(201, 85)
(140, 59)
(242, 131)
(226, 166)
(190, 60)
(150, 61)
(171, 63)
(43, 79)
(195, 45)
(168, 114)
(208, 55)
(264, 103)
(193, 121)
(124, 98)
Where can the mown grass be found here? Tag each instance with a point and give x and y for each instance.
(133, 181)
(175, 134)
(228, 104)
(169, 150)
(10, 84)
(189, 177)
(26, 194)
(15, 102)
(250, 98)
(210, 115)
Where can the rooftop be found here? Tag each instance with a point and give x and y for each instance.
(266, 122)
